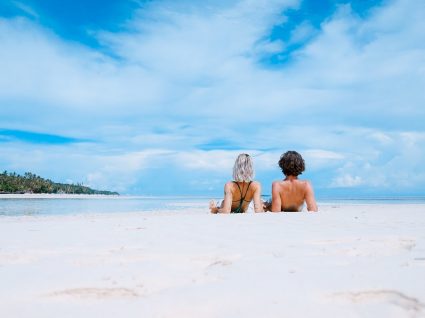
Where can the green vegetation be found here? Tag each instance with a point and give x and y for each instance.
(31, 183)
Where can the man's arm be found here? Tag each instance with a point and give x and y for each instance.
(258, 204)
(276, 201)
(309, 198)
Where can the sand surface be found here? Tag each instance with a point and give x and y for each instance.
(345, 261)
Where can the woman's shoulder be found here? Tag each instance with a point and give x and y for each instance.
(255, 184)
(229, 184)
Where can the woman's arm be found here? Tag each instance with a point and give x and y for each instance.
(226, 206)
(258, 204)
(276, 201)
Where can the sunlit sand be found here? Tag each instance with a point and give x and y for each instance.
(345, 261)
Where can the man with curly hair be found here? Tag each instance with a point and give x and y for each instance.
(290, 194)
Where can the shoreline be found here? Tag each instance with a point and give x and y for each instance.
(326, 199)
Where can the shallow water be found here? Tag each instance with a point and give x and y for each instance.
(19, 206)
(62, 206)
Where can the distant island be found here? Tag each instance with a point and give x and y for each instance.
(31, 183)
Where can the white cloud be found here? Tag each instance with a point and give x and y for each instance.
(211, 161)
(381, 137)
(323, 154)
(25, 8)
(190, 73)
(302, 33)
(346, 181)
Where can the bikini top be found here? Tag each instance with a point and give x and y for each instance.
(242, 199)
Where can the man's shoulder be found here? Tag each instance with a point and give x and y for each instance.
(305, 184)
(277, 183)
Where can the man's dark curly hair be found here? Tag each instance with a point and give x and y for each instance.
(291, 163)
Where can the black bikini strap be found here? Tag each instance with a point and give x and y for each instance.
(246, 192)
(240, 191)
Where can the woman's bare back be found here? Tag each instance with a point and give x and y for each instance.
(234, 192)
(244, 191)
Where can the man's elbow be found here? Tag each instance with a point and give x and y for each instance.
(276, 208)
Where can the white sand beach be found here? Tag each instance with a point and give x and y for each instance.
(345, 261)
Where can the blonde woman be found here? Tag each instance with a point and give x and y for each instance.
(242, 190)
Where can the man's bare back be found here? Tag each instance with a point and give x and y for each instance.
(290, 194)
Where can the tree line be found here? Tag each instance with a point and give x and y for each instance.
(11, 182)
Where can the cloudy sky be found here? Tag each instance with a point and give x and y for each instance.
(158, 97)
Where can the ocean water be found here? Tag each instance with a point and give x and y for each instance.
(84, 205)
(20, 206)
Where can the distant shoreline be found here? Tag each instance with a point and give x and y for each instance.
(13, 183)
(55, 196)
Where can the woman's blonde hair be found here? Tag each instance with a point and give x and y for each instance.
(243, 170)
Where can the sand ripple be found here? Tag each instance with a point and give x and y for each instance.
(98, 293)
(413, 306)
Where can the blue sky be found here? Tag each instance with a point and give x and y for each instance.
(159, 97)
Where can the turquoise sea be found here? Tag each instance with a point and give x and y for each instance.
(69, 206)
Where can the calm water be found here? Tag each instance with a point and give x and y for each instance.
(62, 206)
